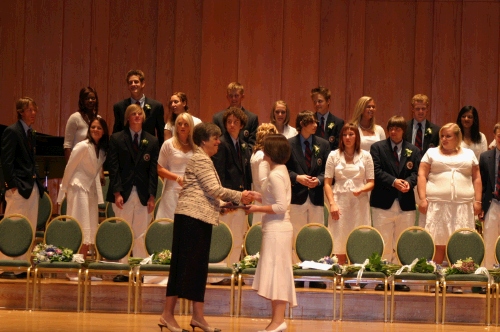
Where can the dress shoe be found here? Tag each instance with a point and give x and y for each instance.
(380, 287)
(456, 290)
(401, 288)
(280, 328)
(8, 275)
(22, 275)
(299, 284)
(317, 284)
(483, 290)
(203, 327)
(224, 282)
(120, 278)
(169, 327)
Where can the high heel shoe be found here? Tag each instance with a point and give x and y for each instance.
(203, 327)
(280, 328)
(163, 323)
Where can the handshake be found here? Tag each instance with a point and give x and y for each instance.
(247, 197)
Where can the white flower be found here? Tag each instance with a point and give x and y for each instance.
(335, 259)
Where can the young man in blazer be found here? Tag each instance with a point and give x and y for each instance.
(396, 163)
(23, 188)
(232, 162)
(488, 166)
(306, 167)
(235, 95)
(153, 110)
(132, 163)
(329, 125)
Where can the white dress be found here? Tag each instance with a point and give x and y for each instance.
(450, 193)
(367, 141)
(289, 131)
(274, 274)
(175, 161)
(260, 171)
(478, 148)
(76, 130)
(81, 185)
(170, 127)
(354, 211)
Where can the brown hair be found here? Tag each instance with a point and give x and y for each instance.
(22, 103)
(277, 148)
(287, 116)
(354, 128)
(135, 72)
(238, 113)
(304, 118)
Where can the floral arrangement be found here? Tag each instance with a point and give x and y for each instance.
(331, 125)
(147, 106)
(408, 152)
(374, 264)
(316, 150)
(428, 131)
(247, 262)
(465, 266)
(424, 266)
(144, 143)
(162, 257)
(48, 253)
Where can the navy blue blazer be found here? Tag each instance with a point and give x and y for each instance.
(248, 133)
(332, 130)
(487, 169)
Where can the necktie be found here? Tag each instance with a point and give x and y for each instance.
(308, 154)
(322, 127)
(396, 155)
(497, 187)
(138, 103)
(29, 134)
(418, 137)
(135, 143)
(238, 151)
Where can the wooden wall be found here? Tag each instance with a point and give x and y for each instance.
(279, 49)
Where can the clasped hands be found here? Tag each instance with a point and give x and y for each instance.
(247, 197)
(307, 180)
(401, 185)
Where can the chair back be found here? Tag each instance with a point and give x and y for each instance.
(497, 250)
(159, 189)
(362, 243)
(44, 210)
(253, 239)
(159, 235)
(64, 206)
(16, 235)
(326, 214)
(155, 211)
(222, 243)
(104, 189)
(250, 219)
(114, 239)
(414, 242)
(465, 243)
(64, 231)
(313, 242)
(109, 210)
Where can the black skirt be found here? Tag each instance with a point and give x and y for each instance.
(189, 263)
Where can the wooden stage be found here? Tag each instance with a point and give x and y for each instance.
(362, 309)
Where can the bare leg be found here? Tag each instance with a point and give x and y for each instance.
(278, 314)
(440, 254)
(198, 313)
(168, 311)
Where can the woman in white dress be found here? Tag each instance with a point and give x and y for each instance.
(178, 104)
(449, 187)
(352, 169)
(80, 182)
(280, 117)
(364, 118)
(274, 275)
(78, 123)
(468, 122)
(174, 155)
(260, 167)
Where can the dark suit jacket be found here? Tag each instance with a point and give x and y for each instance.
(154, 121)
(487, 168)
(332, 132)
(430, 140)
(18, 161)
(384, 194)
(248, 133)
(234, 172)
(297, 166)
(128, 168)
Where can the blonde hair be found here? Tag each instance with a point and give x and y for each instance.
(131, 109)
(420, 98)
(189, 119)
(235, 86)
(263, 131)
(455, 130)
(359, 109)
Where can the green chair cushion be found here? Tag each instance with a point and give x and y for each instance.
(108, 266)
(462, 245)
(155, 267)
(414, 244)
(467, 277)
(39, 234)
(114, 239)
(253, 240)
(159, 237)
(416, 276)
(362, 243)
(44, 210)
(220, 269)
(250, 271)
(313, 273)
(65, 233)
(59, 265)
(222, 243)
(366, 275)
(16, 263)
(16, 236)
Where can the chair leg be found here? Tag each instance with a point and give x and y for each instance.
(35, 288)
(129, 290)
(238, 301)
(28, 277)
(488, 309)
(393, 284)
(385, 300)
(78, 303)
(231, 301)
(436, 300)
(443, 297)
(86, 287)
(334, 297)
(341, 307)
(138, 284)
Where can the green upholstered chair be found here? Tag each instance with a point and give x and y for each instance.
(65, 232)
(16, 239)
(220, 249)
(326, 214)
(155, 211)
(44, 214)
(102, 206)
(114, 241)
(109, 210)
(462, 244)
(159, 237)
(361, 244)
(250, 219)
(313, 242)
(415, 243)
(159, 189)
(64, 206)
(496, 284)
(251, 246)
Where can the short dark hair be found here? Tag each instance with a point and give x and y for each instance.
(104, 141)
(136, 72)
(357, 142)
(203, 131)
(397, 121)
(238, 113)
(304, 118)
(22, 103)
(325, 92)
(277, 147)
